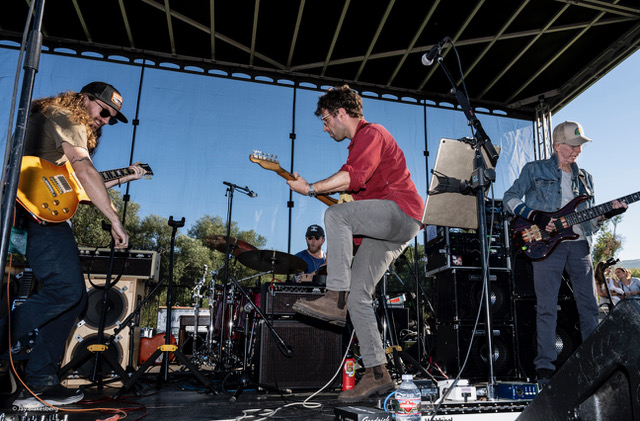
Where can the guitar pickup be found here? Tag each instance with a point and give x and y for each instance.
(61, 183)
(49, 186)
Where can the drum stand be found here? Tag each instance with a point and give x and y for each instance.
(390, 336)
(282, 346)
(168, 348)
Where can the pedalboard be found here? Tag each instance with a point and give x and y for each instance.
(361, 413)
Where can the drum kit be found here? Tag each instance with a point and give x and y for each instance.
(234, 310)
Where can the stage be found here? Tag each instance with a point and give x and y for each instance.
(183, 398)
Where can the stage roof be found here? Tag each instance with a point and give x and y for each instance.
(513, 52)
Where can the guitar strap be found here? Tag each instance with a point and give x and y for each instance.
(583, 179)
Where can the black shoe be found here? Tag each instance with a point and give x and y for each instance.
(543, 376)
(54, 395)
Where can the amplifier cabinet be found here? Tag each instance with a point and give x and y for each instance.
(568, 337)
(130, 263)
(317, 354)
(452, 344)
(122, 300)
(460, 296)
(277, 301)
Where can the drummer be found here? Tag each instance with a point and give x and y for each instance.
(313, 255)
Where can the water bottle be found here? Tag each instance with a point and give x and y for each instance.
(408, 400)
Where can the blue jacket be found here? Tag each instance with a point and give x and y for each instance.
(540, 184)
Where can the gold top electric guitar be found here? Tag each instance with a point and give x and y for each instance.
(270, 162)
(52, 192)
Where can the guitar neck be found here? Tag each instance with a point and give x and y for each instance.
(594, 212)
(327, 200)
(115, 174)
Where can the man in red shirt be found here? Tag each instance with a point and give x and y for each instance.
(383, 217)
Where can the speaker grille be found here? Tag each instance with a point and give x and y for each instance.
(453, 342)
(116, 307)
(317, 353)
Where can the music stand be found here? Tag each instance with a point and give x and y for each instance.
(454, 162)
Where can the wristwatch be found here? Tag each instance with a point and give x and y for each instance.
(312, 192)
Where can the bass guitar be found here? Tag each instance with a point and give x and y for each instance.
(537, 243)
(270, 162)
(51, 192)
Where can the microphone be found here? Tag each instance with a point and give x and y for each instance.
(428, 58)
(246, 190)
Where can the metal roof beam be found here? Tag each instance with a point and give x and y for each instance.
(372, 44)
(546, 65)
(336, 34)
(82, 21)
(518, 56)
(218, 35)
(454, 40)
(254, 31)
(127, 25)
(212, 28)
(495, 39)
(296, 31)
(413, 42)
(602, 6)
(167, 11)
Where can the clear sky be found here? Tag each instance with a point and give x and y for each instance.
(197, 131)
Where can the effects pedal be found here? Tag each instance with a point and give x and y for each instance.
(516, 391)
(428, 390)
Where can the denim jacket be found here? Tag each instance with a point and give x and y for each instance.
(540, 184)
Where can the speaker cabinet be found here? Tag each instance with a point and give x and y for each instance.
(317, 354)
(568, 336)
(453, 342)
(600, 381)
(523, 280)
(460, 296)
(123, 297)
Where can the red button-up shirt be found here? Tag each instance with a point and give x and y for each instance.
(378, 170)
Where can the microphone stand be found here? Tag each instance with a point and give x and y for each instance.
(481, 179)
(225, 280)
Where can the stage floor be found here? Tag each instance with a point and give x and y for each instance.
(183, 398)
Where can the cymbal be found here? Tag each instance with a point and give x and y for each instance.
(236, 246)
(270, 260)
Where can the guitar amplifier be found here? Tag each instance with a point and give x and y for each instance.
(138, 264)
(277, 301)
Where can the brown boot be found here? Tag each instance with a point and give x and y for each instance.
(376, 381)
(332, 307)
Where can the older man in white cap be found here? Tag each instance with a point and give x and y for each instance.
(547, 186)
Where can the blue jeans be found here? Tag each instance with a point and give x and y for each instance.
(387, 230)
(575, 258)
(52, 253)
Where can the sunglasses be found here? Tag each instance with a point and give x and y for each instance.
(105, 113)
(313, 237)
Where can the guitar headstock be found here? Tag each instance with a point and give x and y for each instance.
(266, 161)
(147, 170)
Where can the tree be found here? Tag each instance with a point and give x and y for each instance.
(607, 242)
(87, 222)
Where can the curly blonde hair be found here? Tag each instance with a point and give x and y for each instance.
(71, 101)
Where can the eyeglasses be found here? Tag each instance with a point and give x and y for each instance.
(313, 237)
(104, 112)
(325, 117)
